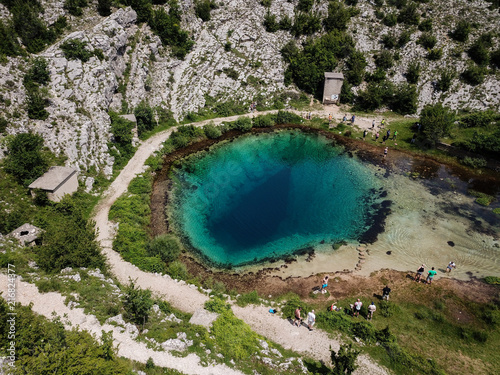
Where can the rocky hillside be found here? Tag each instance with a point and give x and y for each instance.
(233, 58)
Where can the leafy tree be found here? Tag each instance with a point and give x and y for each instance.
(344, 361)
(462, 31)
(413, 72)
(436, 121)
(307, 67)
(375, 95)
(69, 239)
(405, 99)
(137, 303)
(9, 45)
(355, 64)
(74, 7)
(404, 38)
(104, 7)
(389, 40)
(142, 8)
(165, 246)
(144, 115)
(24, 158)
(212, 131)
(346, 94)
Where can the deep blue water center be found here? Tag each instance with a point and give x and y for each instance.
(270, 195)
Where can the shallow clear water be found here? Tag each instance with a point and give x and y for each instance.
(269, 195)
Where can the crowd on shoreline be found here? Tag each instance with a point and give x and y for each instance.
(355, 308)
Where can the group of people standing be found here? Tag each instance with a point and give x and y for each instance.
(432, 272)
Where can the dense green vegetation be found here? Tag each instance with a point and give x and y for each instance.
(44, 347)
(75, 49)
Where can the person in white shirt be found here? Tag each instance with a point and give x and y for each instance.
(311, 319)
(371, 309)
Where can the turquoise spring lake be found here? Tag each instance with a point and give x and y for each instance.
(267, 196)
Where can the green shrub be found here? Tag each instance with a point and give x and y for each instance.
(36, 101)
(75, 49)
(481, 198)
(248, 298)
(178, 270)
(166, 246)
(496, 211)
(137, 303)
(266, 3)
(355, 65)
(243, 124)
(167, 27)
(478, 52)
(462, 31)
(263, 121)
(48, 285)
(409, 14)
(122, 139)
(389, 41)
(305, 5)
(334, 321)
(427, 40)
(480, 119)
(404, 38)
(436, 121)
(390, 19)
(494, 280)
(388, 309)
(364, 330)
(217, 305)
(212, 131)
(270, 23)
(38, 73)
(305, 24)
(9, 46)
(444, 81)
(495, 58)
(104, 7)
(4, 123)
(74, 7)
(202, 9)
(425, 25)
(405, 99)
(228, 46)
(474, 162)
(231, 73)
(234, 338)
(338, 16)
(413, 72)
(24, 159)
(285, 118)
(435, 54)
(344, 361)
(384, 60)
(474, 75)
(144, 115)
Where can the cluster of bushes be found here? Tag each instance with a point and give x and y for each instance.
(436, 121)
(165, 25)
(75, 49)
(485, 138)
(401, 99)
(28, 27)
(44, 344)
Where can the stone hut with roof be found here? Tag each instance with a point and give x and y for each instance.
(333, 87)
(57, 182)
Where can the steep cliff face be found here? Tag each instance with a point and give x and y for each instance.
(233, 58)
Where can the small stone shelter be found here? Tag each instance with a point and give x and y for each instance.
(57, 182)
(333, 87)
(26, 234)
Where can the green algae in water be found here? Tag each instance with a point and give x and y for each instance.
(269, 195)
